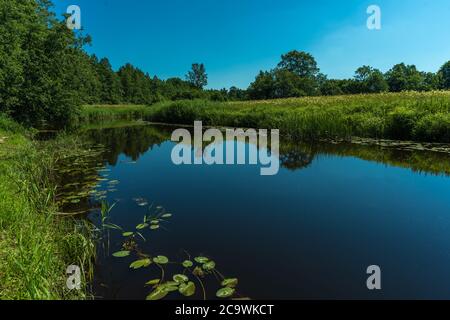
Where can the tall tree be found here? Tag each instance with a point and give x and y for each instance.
(444, 74)
(197, 76)
(300, 63)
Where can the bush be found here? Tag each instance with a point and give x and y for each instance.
(433, 128)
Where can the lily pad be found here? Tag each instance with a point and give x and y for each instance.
(167, 215)
(154, 227)
(187, 289)
(152, 282)
(210, 265)
(128, 234)
(188, 264)
(225, 292)
(158, 294)
(140, 263)
(121, 254)
(161, 260)
(141, 226)
(180, 278)
(232, 282)
(201, 260)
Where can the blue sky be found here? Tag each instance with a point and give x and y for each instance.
(237, 38)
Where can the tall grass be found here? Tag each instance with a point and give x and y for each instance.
(403, 116)
(36, 246)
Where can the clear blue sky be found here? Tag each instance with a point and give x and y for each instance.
(237, 38)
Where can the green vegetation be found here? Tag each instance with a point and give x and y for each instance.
(36, 246)
(46, 75)
(402, 116)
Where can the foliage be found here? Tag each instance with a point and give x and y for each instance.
(197, 76)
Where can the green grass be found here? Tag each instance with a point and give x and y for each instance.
(101, 113)
(36, 247)
(401, 116)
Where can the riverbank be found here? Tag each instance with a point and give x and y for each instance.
(416, 116)
(36, 246)
(400, 116)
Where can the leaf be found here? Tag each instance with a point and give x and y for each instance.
(141, 226)
(187, 289)
(232, 282)
(121, 254)
(201, 260)
(128, 234)
(158, 294)
(161, 260)
(153, 282)
(167, 215)
(155, 222)
(180, 278)
(140, 263)
(225, 292)
(209, 266)
(188, 264)
(154, 227)
(112, 226)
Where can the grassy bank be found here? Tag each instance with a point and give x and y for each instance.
(102, 113)
(36, 246)
(402, 116)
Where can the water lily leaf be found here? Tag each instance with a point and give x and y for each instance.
(140, 263)
(158, 294)
(187, 289)
(141, 226)
(161, 260)
(171, 288)
(154, 222)
(180, 278)
(121, 254)
(167, 215)
(128, 234)
(232, 282)
(154, 227)
(198, 272)
(201, 260)
(210, 265)
(188, 264)
(225, 292)
(153, 282)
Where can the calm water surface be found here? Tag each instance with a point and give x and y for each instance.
(309, 232)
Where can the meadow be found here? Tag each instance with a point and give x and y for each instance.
(417, 116)
(36, 246)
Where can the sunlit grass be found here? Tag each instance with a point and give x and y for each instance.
(35, 246)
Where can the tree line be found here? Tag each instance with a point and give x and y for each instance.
(45, 73)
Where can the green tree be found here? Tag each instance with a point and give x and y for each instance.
(404, 77)
(300, 63)
(197, 76)
(444, 74)
(370, 80)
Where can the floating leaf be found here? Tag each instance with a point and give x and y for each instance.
(141, 226)
(210, 265)
(201, 259)
(158, 294)
(161, 260)
(188, 264)
(153, 282)
(154, 227)
(232, 282)
(187, 289)
(225, 292)
(154, 222)
(128, 234)
(180, 278)
(167, 215)
(140, 263)
(121, 254)
(198, 272)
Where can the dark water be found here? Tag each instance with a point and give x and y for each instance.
(309, 232)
